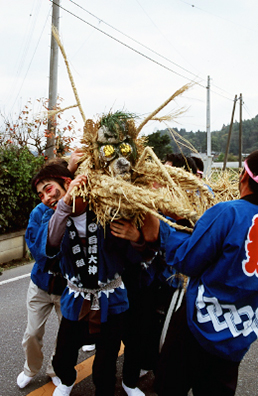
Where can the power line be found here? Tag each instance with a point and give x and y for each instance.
(28, 68)
(30, 34)
(246, 109)
(218, 16)
(165, 37)
(136, 51)
(137, 42)
(124, 44)
(21, 59)
(144, 46)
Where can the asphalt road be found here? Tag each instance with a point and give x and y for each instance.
(13, 289)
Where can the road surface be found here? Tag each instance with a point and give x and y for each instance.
(13, 288)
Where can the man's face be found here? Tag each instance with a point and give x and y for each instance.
(50, 192)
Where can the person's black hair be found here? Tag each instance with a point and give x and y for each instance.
(55, 170)
(252, 162)
(199, 163)
(180, 161)
(192, 165)
(177, 159)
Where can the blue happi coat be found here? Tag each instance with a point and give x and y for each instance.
(114, 254)
(221, 259)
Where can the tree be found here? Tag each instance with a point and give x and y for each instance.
(160, 144)
(30, 130)
(22, 146)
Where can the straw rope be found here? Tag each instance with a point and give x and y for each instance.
(57, 38)
(172, 97)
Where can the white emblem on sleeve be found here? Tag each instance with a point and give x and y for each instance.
(226, 316)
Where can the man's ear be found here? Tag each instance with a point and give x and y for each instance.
(244, 177)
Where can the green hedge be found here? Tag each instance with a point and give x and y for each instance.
(17, 166)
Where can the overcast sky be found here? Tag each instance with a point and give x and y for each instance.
(150, 49)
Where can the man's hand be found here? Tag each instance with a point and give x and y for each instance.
(75, 157)
(77, 182)
(125, 229)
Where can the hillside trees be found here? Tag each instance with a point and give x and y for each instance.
(218, 138)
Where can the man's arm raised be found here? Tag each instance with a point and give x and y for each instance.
(150, 228)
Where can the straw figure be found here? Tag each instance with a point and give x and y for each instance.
(121, 171)
(121, 174)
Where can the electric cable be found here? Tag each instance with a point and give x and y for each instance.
(28, 68)
(137, 51)
(21, 59)
(136, 41)
(218, 16)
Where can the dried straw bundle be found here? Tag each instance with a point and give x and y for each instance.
(187, 190)
(57, 38)
(115, 198)
(177, 193)
(152, 116)
(224, 185)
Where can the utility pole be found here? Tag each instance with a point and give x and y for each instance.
(49, 153)
(229, 134)
(208, 124)
(208, 130)
(240, 131)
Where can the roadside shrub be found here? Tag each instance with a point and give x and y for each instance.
(17, 166)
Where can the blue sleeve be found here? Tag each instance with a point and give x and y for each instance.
(192, 253)
(36, 235)
(33, 228)
(170, 235)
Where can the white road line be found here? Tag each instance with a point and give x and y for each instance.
(14, 279)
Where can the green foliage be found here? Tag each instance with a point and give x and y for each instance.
(161, 144)
(221, 157)
(117, 122)
(17, 166)
(231, 157)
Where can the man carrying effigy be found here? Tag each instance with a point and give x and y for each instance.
(214, 327)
